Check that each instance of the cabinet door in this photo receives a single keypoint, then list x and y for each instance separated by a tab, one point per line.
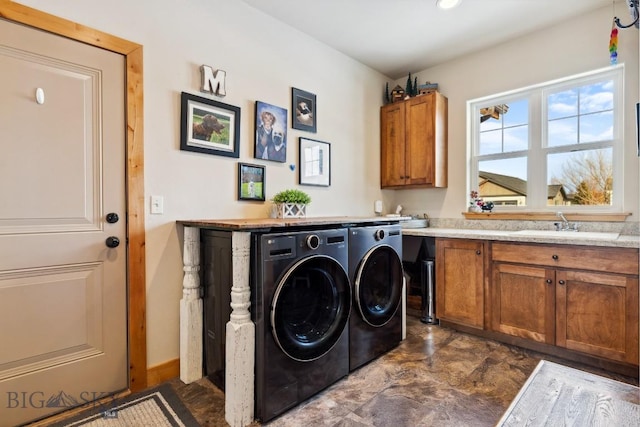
392	145
522	302
460	281
597	313
420	136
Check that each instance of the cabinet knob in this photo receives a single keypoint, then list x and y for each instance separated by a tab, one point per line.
561	282
478	252
554	257
549	281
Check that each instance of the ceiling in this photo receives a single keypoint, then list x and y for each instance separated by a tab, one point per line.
397	37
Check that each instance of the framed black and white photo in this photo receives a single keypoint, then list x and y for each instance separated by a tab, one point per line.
315	162
271	132
303	106
209	126
251	182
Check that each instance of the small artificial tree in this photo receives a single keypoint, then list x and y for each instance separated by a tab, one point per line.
292	196
291	203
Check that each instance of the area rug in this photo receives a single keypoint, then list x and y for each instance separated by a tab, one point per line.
156	407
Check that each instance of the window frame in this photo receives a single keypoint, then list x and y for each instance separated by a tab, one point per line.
538	149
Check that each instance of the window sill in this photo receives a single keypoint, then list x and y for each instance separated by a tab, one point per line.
547	216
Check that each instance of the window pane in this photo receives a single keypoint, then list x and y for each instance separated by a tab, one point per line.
503	182
517	113
516	138
596	127
585	177
504	127
590	106
491	142
596	97
489	123
563	132
562	104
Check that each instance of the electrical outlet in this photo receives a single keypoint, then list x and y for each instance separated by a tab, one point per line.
377	206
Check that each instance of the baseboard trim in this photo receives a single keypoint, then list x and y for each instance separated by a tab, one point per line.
163	372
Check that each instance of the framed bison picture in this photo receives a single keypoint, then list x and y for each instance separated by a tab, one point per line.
208	126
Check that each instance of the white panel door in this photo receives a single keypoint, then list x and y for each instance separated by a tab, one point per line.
63	328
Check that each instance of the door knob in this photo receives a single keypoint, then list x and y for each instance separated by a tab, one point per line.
112	217
112	242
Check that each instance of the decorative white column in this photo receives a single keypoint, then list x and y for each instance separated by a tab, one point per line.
240	342
191	316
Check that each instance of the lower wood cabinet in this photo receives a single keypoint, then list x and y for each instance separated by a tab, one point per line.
579	302
597	313
460	273
593	310
523	302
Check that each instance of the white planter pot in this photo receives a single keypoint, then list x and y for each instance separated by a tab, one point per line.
291	210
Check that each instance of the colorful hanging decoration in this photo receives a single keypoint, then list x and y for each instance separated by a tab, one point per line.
613	44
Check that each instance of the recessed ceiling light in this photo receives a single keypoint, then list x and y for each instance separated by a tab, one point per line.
447	4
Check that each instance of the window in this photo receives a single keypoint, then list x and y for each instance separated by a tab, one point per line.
549	145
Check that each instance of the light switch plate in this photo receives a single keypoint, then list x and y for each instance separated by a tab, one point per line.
157	205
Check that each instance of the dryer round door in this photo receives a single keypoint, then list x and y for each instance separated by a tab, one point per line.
378	285
310	307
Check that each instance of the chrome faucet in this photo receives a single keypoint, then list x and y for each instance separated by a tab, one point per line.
565	226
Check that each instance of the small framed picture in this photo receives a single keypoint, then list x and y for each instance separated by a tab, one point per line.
271	132
315	162
251	182
303	105
208	126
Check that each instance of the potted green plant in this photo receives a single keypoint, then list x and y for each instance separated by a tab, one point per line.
291	203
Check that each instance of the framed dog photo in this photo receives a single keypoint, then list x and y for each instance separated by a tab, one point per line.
271	132
315	162
303	105
208	126
251	182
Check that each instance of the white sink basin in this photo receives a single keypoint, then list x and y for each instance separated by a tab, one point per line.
587	235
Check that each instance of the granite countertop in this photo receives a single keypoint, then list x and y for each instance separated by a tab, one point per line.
567	238
268	223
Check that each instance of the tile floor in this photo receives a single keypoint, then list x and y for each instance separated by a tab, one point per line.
436	377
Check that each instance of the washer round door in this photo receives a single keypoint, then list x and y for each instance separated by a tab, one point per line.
310	307
378	285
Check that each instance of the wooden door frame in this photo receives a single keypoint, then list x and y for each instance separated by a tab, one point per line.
136	297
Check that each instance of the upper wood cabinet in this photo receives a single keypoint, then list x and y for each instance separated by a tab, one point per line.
413	142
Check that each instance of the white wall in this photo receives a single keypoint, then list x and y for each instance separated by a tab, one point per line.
571	47
263	60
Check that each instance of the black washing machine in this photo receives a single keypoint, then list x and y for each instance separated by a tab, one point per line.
375	270
300	303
